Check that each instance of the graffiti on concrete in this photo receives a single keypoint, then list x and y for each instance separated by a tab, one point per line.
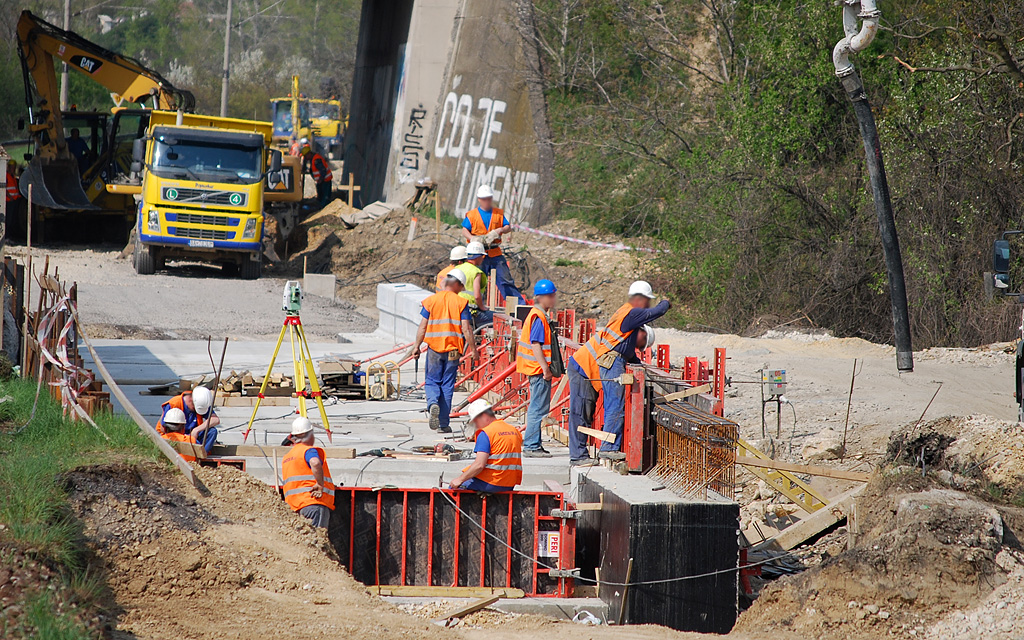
412	142
470	131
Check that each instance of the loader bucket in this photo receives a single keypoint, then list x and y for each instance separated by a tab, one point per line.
55	185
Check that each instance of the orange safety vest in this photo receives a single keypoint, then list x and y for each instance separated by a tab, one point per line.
441	275
178	402
505	463
478	228
323	174
601	343
181	437
444	326
526	362
299	481
12	187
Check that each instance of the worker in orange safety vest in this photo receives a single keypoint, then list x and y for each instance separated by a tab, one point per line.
487	225
320	169
201	421
597	365
308	487
12	193
498	463
533	360
457	256
174	429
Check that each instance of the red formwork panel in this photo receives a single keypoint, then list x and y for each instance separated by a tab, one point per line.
433	537
634	428
663	361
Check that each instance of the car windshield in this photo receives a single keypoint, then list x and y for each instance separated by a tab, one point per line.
219	161
282	118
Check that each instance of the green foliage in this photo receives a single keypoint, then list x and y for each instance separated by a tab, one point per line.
45	622
565	262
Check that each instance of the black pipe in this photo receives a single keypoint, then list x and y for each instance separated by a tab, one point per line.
886	223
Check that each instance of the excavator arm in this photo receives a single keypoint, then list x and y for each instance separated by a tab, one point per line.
54	172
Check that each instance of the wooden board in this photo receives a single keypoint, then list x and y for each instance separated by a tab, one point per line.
835	511
472	607
444	592
824	472
185	448
600	435
250	401
253	451
685	393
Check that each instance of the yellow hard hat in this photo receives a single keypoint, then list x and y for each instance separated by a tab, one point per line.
305	149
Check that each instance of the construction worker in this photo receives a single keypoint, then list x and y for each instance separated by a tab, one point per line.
457	256
533	360
487	225
174	429
476	284
294	149
447	330
308	487
597	365
79	148
12	194
320	169
498	465
200	419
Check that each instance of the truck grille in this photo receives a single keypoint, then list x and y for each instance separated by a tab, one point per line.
199	218
203	234
204	196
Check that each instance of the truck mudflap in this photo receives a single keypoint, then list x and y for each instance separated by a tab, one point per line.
55	185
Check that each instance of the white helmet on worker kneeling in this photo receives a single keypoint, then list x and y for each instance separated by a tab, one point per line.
476	408
174	417
641	288
202	399
301	426
457	253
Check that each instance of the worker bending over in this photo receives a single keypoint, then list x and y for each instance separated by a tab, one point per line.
446	329
498	465
320	169
174	430
533	360
457	257
597	366
308	487
476	284
200	419
487	225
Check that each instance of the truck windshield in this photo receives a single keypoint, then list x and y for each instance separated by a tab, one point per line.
215	161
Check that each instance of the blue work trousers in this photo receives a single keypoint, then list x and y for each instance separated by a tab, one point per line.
207	438
614	404
503	277
440	383
583	402
540	406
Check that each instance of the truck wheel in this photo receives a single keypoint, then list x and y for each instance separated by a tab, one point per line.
144	263
251	269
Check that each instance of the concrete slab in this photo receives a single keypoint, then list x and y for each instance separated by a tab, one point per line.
319	284
558	608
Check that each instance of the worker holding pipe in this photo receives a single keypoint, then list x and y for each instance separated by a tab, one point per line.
200	419
308	487
533	360
447	330
597	365
476	284
487	225
457	256
498	464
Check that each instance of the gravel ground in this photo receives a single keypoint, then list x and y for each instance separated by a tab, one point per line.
187	301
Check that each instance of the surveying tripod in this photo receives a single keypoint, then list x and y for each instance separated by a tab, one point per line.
303	370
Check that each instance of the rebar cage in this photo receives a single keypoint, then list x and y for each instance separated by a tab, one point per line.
696	451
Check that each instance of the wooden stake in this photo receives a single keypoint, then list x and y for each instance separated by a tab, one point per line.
625	592
849	403
437	212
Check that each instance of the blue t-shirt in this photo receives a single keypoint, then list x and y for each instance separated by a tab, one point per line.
465	315
537	332
311	455
483	443
486	217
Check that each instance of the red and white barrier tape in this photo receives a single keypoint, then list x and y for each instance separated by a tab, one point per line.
618	246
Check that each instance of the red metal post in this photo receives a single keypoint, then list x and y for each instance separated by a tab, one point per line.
703	372
719	387
633	427
663	361
690	368
479	393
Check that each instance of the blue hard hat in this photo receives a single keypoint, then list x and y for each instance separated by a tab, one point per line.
544	287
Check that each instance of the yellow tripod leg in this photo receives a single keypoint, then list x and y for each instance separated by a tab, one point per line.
307	358
297	380
266	379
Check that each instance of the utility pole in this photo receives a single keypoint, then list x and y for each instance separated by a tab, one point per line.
227	71
64	65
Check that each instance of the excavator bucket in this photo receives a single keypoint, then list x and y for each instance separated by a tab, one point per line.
55	185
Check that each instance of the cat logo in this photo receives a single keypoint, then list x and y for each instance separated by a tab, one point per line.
85	63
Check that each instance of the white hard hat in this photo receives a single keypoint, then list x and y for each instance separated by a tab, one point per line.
475	249
476	408
457	253
485	191
649	330
641	287
458	274
301	426
174	415
202	398
304	141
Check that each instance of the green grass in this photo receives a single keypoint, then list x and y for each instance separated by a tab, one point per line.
33	503
565	262
447	217
42	621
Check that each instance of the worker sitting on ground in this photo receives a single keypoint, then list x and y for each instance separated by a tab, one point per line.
308	487
200	419
476	285
457	257
320	169
487	225
597	366
446	329
533	360
174	430
498	465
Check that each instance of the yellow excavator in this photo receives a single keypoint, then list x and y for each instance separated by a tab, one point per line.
54	170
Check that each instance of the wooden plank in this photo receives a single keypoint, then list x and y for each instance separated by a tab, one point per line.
250	401
600	435
413	591
254	451
189	449
805	469
832	513
472	607
685	393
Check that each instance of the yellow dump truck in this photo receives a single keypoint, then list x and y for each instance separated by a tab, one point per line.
202	191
